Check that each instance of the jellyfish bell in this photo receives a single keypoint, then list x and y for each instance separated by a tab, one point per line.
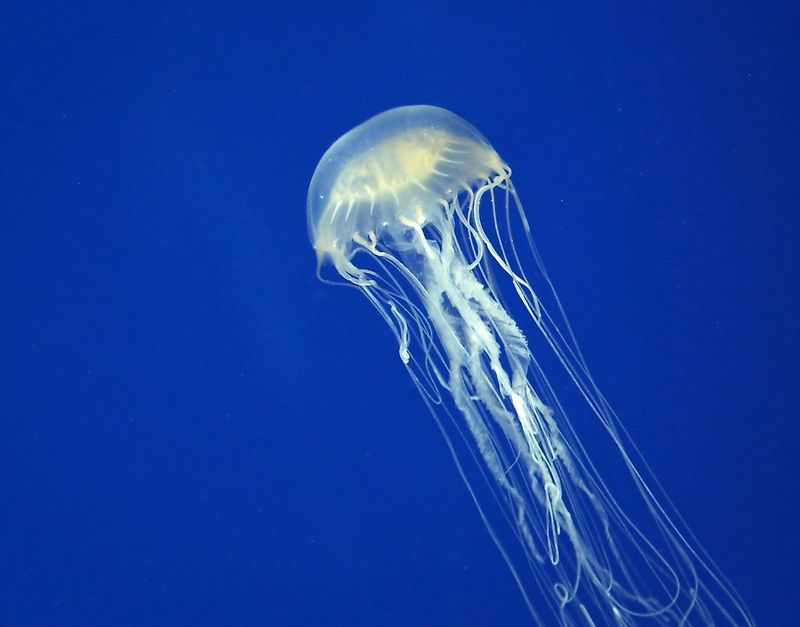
417	210
403	165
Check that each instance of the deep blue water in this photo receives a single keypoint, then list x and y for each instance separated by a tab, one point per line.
195	431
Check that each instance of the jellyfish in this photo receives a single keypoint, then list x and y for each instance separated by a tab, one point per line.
416	210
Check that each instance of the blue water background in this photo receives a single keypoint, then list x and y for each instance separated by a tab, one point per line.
195	431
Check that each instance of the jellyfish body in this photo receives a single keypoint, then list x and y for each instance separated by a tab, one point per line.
416	209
